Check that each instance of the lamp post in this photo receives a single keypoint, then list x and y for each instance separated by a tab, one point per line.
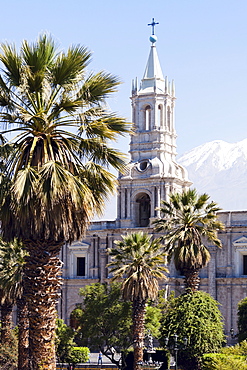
175	347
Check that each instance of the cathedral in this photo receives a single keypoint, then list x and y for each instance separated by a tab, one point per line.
151	175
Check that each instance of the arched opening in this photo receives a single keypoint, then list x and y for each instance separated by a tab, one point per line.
143	208
147	118
160	115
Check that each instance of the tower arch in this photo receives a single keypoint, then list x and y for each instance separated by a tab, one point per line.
142	209
160	115
147	117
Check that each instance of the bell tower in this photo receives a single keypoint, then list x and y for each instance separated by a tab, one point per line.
152	172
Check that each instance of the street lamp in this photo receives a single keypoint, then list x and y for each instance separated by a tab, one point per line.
175	347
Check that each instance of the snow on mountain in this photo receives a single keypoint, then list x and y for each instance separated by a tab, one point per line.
219	169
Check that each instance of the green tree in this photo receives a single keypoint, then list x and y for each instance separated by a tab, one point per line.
56	175
242	320
197	317
140	261
78	355
188	220
64	340
152	320
104	321
9	353
12	260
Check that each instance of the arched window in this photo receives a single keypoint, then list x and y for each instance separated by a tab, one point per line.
147	118
143	210
160	115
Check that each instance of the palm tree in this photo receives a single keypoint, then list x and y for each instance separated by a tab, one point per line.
12	260
140	261
57	175
188	221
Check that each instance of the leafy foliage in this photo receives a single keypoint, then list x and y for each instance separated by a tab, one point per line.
56	175
64	340
197	317
9	353
78	355
240	349
58	165
105	320
229	358
12	260
218	361
188	219
141	261
242	320
152	320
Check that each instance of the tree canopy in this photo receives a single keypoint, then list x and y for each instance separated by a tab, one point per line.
242	320
198	318
104	321
56	173
139	260
188	221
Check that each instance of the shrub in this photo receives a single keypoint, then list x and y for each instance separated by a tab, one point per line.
242	320
219	361
197	317
78	355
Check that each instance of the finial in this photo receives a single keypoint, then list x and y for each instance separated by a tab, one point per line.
153	37
173	88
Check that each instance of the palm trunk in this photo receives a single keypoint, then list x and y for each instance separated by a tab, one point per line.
6	320
23	334
138	332
41	284
192	279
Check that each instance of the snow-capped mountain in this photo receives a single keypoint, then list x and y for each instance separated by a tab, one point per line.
219	169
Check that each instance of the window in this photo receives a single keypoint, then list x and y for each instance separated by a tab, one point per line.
160	115
81	266
244	264
148	118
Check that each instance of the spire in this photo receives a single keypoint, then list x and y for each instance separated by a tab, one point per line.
153	79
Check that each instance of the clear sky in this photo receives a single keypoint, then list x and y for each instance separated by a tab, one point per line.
202	45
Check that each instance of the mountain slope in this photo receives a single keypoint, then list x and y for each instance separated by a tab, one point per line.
219	169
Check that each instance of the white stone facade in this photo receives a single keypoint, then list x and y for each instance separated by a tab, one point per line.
151	175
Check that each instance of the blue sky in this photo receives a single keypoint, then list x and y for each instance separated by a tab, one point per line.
202	45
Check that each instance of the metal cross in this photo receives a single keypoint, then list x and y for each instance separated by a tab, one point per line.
153	25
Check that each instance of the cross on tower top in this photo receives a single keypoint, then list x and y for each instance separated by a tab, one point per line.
153	25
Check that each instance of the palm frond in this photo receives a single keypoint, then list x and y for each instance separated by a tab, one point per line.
140	261
188	220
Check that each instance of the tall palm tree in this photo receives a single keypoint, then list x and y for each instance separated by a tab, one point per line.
140	261
12	260
57	175
188	220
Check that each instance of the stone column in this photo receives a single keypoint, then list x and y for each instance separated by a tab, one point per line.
103	257
212	273
229	256
228	306
152	202
128	203
162	191
167	192
119	204
158	200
